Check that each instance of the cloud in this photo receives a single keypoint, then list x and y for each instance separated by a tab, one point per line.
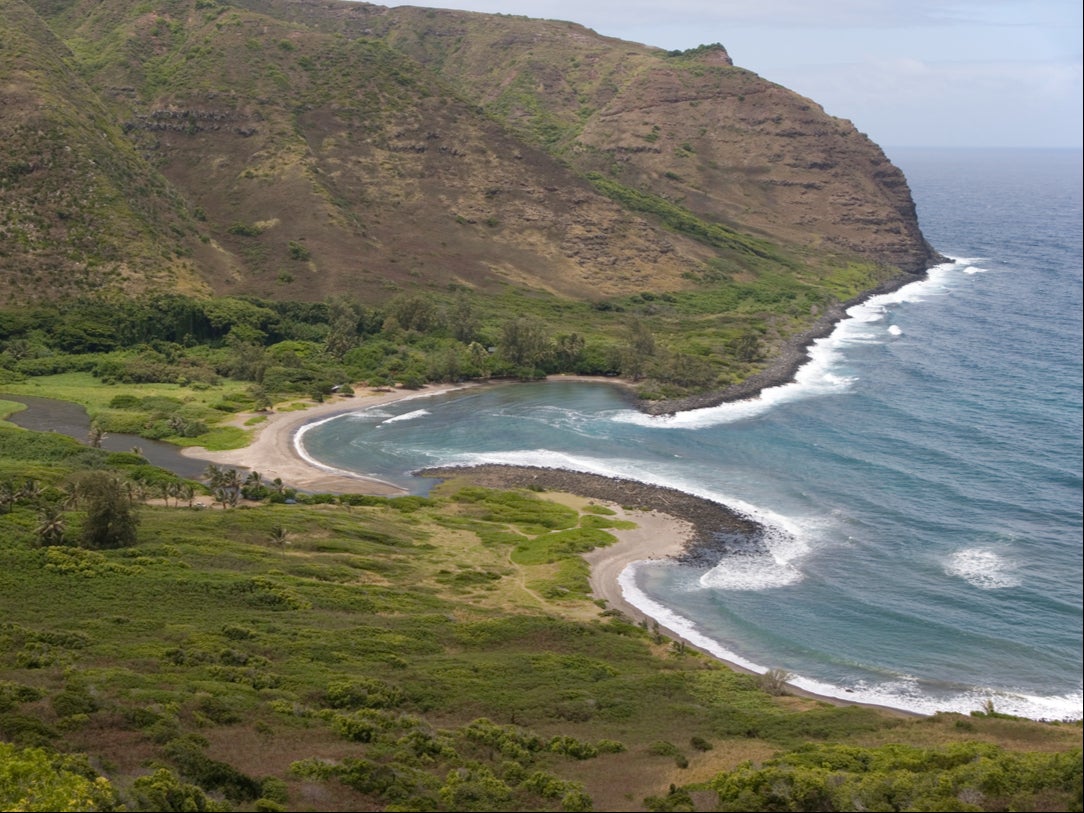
997	72
615	15
902	101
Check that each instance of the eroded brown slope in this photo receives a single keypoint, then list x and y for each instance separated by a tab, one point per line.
80	210
720	140
328	147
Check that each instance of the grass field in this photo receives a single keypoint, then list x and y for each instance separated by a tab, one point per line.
439	653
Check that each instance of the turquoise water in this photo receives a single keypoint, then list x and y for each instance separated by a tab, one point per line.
921	479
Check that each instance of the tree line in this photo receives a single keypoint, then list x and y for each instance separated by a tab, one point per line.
297	347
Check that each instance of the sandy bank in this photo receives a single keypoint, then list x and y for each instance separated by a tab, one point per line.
273	452
669	523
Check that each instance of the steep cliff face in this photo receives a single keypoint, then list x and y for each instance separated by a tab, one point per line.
302	148
733	147
692	127
80	209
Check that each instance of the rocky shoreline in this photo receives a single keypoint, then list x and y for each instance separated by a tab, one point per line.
786	364
717	530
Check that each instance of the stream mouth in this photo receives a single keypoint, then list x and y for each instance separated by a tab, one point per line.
51	415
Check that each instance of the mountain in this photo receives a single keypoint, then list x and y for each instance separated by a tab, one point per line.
298	149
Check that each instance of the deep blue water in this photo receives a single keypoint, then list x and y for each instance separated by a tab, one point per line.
922	477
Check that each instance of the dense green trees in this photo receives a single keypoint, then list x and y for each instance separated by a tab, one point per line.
110	520
34	779
525	344
962	776
307	348
284	348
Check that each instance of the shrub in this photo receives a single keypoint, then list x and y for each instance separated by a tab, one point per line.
363	693
700	744
774	681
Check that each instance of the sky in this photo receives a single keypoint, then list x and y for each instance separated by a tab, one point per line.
908	73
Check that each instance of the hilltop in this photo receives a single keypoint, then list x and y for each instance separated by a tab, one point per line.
299	149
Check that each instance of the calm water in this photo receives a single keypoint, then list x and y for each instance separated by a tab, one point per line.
922	477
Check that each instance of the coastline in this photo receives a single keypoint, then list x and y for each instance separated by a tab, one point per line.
669	523
273	451
794	354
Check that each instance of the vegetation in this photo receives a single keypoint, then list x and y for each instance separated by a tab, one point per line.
227	643
438	653
963	776
681	220
240	352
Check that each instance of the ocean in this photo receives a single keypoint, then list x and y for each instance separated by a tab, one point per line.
920	479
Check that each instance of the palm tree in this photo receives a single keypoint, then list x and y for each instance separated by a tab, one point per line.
213	474
253	488
226	496
96	435
72	495
51	527
31	490
278	536
173	489
8	495
186	492
232	483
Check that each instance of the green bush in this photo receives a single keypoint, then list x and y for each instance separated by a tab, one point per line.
244	229
362	693
962	776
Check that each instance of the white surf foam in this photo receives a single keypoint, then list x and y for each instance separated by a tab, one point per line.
407	416
909	694
895	330
753	573
366	414
785	545
982	568
822	374
675	622
903	692
302	452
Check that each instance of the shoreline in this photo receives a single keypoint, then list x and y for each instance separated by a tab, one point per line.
794	354
670	523
273	451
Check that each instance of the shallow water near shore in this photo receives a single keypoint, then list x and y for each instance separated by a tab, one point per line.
920	480
67	418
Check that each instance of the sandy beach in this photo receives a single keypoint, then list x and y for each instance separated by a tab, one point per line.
656	536
668	523
273	452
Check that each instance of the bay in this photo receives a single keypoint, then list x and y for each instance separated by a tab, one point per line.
921	478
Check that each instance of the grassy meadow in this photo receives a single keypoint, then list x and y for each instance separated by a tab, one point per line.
443	653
